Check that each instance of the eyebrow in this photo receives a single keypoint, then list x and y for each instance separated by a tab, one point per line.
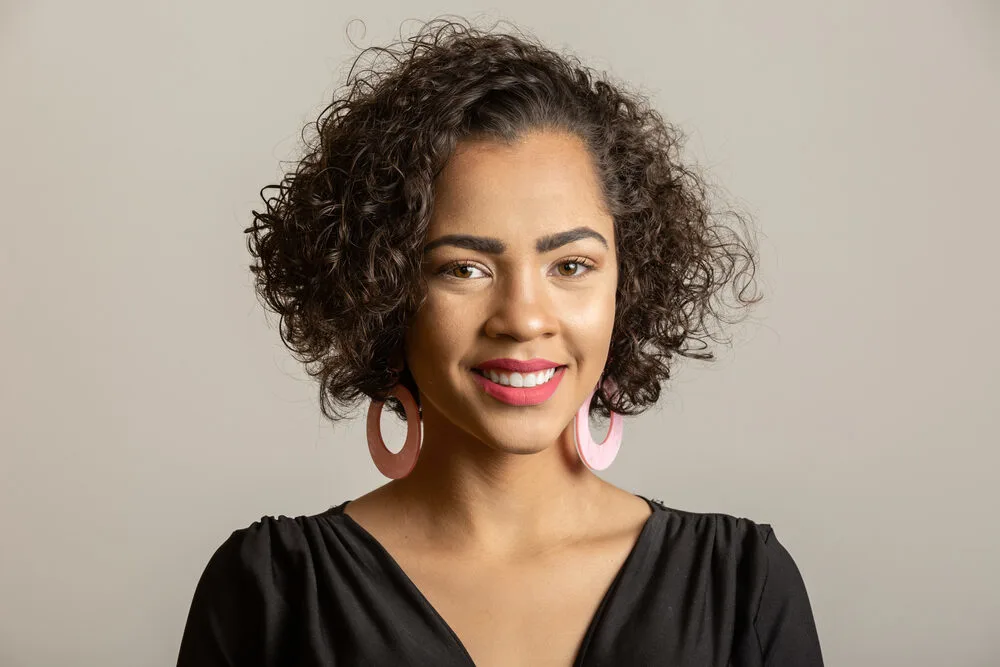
494	246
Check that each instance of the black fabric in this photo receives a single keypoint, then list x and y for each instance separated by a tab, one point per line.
696	590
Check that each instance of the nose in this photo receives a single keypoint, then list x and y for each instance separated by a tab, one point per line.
521	307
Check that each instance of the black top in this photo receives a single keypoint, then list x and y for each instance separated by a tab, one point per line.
696	590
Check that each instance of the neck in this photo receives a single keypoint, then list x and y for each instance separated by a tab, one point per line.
466	495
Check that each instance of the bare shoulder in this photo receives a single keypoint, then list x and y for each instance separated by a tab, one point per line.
376	512
621	516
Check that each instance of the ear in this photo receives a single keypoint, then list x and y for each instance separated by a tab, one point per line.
397	361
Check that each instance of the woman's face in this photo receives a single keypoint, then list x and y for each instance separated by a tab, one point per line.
520	263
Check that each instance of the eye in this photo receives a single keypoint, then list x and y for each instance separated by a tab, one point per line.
576	263
448	270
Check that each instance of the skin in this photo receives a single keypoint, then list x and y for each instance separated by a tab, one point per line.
496	487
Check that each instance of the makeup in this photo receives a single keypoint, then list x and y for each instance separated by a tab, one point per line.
520	396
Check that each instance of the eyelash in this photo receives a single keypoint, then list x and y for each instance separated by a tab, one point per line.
582	261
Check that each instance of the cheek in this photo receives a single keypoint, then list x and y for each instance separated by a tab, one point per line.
439	330
589	326
591	319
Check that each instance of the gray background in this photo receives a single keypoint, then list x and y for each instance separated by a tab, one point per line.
149	408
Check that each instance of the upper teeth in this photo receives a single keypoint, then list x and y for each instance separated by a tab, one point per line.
520	379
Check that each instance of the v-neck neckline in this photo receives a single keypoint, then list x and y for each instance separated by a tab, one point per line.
592	627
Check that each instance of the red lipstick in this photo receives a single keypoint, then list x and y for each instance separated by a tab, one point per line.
521	396
517	366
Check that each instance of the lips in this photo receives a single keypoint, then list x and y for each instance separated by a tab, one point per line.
509	365
520	396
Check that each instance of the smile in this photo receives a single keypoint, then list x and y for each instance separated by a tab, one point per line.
534	388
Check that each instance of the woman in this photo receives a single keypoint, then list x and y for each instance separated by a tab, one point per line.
499	246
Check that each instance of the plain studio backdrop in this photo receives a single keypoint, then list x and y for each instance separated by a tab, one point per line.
149	408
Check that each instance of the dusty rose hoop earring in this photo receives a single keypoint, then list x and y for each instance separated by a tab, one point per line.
597	456
400	464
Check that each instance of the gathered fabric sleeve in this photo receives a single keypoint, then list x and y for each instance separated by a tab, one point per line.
786	630
235	611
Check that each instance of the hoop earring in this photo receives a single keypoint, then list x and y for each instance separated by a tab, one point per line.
395	466
597	456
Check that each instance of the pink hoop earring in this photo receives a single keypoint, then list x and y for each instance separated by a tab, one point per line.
597	456
395	466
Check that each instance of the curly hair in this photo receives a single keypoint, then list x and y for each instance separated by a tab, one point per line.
338	244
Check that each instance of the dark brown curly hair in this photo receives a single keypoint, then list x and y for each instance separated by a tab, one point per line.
338	245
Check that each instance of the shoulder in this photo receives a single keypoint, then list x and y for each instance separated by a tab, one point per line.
717	533
783	619
240	601
745	564
750	545
254	551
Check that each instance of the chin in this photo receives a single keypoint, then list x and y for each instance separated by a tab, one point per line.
522	445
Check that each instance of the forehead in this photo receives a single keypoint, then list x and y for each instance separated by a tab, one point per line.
544	182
